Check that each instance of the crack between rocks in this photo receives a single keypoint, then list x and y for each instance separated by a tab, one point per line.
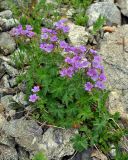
115	66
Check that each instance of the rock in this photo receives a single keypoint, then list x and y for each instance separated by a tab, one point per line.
97	155
12	113
7	24
8	153
77	35
123	5
7	102
7	43
8	91
1	108
5	81
27	133
10	70
6	14
22	154
3	5
20	98
2	69
105	9
13	82
114	50
7	140
85	155
7	59
70	12
2	120
51	1
113	151
56	143
112	1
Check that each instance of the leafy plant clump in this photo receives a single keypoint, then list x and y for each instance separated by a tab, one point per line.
80	6
65	84
39	156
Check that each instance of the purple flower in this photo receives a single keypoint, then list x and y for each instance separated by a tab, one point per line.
100	85
93	73
44	36
30	34
33	98
61	26
46	30
70	72
54	38
85	63
65	29
102	77
67	72
63	44
68	60
17	30
63	72
97	59
62	20
88	86
29	27
60	23
47	47
93	51
36	89
82	49
96	64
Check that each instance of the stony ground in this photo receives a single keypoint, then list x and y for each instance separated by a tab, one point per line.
21	138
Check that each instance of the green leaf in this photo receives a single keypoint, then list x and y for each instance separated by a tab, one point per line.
98	24
85	113
80	143
39	156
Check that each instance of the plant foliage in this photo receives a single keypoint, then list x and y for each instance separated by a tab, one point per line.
62	100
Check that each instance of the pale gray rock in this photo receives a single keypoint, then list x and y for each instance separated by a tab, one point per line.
123	5
3	5
112	1
5	81
84	155
8	153
7	102
2	69
10	70
77	35
6	140
7	59
56	143
2	120
6	14
7	24
114	50
70	12
105	9
22	154
7	44
27	133
20	98
13	82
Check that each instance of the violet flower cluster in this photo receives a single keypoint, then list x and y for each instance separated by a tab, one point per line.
33	97
19	31
50	36
76	57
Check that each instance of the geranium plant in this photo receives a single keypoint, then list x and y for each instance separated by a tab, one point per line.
66	85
